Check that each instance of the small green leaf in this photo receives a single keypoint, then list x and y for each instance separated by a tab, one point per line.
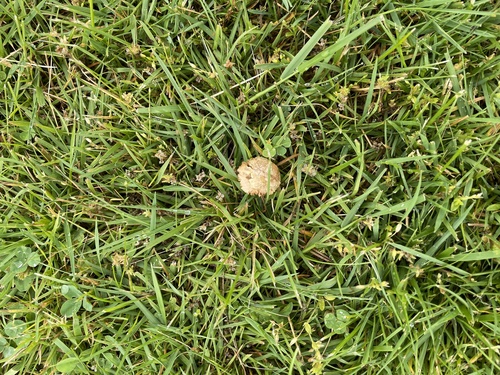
283	140
39	97
25	283
33	260
337	322
69	291
108	362
24	258
342	315
71	307
23	252
269	151
330	321
67	364
455	205
280	151
8	352
286	142
25	136
18	266
14	329
86	304
321	304
3	343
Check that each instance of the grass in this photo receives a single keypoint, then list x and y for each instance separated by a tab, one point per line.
127	245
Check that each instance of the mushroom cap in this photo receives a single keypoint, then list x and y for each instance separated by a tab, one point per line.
259	176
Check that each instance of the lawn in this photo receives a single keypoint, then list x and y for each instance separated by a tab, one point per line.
127	245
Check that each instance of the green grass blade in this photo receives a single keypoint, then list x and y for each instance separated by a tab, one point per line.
299	58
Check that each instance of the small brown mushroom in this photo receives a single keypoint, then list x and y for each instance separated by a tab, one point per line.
259	176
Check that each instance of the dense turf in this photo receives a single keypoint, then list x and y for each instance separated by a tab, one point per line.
127	246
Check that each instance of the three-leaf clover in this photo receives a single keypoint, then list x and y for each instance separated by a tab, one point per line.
276	146
75	301
14	333
24	258
23	261
337	322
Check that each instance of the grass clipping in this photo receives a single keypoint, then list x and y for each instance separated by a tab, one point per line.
259	176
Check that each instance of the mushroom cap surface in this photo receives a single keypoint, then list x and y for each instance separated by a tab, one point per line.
259	176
